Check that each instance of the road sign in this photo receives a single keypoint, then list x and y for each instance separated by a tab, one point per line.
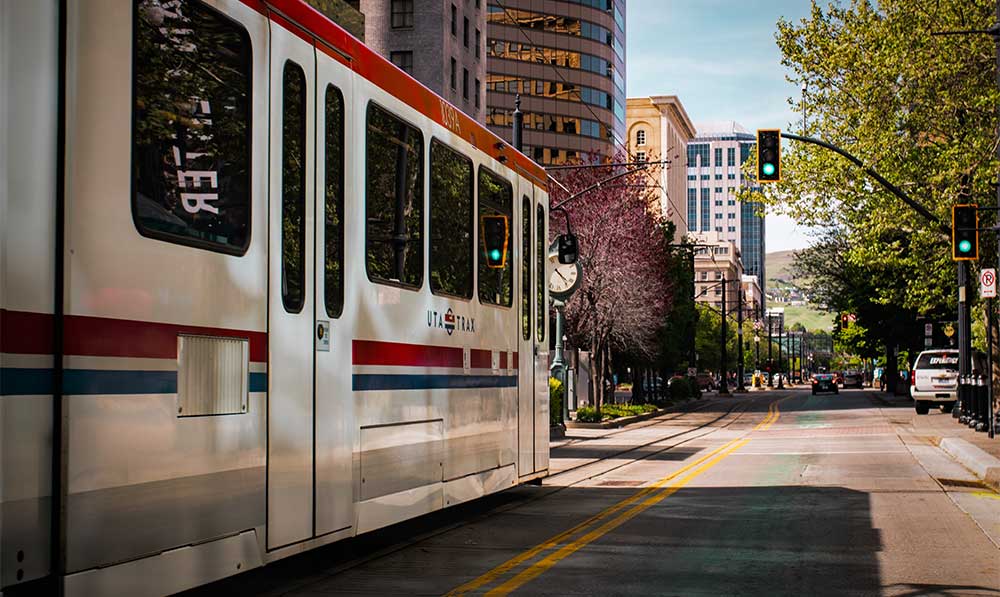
988	283
928	342
928	329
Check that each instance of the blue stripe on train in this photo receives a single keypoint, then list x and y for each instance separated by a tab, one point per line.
27	382
367	382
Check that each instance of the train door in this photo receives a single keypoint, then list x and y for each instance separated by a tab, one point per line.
334	425
291	299
526	346
541	351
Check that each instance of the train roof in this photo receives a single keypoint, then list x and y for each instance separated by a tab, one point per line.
308	23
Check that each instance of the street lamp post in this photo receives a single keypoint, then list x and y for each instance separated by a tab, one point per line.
770	363
781	326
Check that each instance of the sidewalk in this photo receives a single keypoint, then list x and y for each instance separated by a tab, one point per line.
936	426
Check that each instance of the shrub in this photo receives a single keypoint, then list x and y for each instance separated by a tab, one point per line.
587	414
555	401
680	389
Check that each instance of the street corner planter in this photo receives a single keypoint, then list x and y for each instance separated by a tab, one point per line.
557	431
619	422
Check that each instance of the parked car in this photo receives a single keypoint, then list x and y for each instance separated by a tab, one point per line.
706	381
934	380
824	382
838	376
854	379
748	379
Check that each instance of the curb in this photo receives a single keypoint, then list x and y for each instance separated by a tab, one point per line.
983	465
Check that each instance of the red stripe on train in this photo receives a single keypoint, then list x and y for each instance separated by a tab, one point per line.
397	354
31	333
373	352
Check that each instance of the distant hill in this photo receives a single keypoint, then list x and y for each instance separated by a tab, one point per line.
782	282
779	265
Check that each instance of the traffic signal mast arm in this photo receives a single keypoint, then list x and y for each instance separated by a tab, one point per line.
920	209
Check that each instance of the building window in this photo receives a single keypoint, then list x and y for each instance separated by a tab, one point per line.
333	229
731	156
496	198
732	228
718	202
465	31
640	156
704	275
293	188
465	83
718	156
394	200
718	177
692	177
731	202
640	137
705	211
454	74
692	210
403	60
402	14
479	88
718	216
731	216
718	275
704	177
191	155
731	176
479	39
451	222
718	189
454	21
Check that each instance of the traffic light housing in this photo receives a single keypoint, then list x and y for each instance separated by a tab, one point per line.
768	155
495	240
965	232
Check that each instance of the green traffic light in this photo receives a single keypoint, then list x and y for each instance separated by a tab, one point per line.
768	168
964	246
495	254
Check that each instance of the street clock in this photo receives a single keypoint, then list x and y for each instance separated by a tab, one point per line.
565	280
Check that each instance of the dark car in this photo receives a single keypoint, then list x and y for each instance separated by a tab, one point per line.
824	382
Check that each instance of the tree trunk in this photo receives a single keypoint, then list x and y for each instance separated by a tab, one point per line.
891	372
596	375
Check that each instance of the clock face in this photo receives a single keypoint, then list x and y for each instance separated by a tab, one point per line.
564	279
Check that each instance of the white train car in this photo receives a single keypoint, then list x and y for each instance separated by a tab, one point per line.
244	305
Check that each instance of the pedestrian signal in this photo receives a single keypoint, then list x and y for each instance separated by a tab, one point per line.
965	232
769	155
495	237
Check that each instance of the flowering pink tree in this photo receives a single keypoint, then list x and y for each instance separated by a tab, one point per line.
625	293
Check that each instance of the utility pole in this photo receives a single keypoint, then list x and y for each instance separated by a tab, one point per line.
740	387
723	374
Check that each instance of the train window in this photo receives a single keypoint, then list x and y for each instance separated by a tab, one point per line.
526	268
496	197
541	309
451	222
293	194
333	272
191	126
394	201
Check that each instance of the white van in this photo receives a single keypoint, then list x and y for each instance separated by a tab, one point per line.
934	379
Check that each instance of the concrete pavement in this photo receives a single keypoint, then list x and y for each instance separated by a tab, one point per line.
772	493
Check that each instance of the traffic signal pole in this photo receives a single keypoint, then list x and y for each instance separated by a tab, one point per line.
723	373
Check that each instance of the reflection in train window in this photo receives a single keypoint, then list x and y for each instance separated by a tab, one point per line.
496	197
526	268
394	200
333	273
540	281
293	187
451	222
191	132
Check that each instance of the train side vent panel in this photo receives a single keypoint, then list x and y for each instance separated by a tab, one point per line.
212	375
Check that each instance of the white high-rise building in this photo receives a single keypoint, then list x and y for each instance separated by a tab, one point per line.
714	160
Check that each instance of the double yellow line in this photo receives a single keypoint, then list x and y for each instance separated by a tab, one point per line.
609	519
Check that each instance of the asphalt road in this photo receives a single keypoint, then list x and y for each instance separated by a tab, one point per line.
773	493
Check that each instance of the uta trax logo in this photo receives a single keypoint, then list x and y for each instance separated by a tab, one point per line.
450	322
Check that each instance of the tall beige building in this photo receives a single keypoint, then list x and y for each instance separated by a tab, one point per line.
659	129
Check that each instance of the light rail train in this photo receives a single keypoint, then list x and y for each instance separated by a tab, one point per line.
245	309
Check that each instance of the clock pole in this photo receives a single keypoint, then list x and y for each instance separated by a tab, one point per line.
558	368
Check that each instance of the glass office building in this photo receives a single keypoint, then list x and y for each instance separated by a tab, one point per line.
566	59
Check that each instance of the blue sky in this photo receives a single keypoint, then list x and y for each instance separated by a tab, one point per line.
720	59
